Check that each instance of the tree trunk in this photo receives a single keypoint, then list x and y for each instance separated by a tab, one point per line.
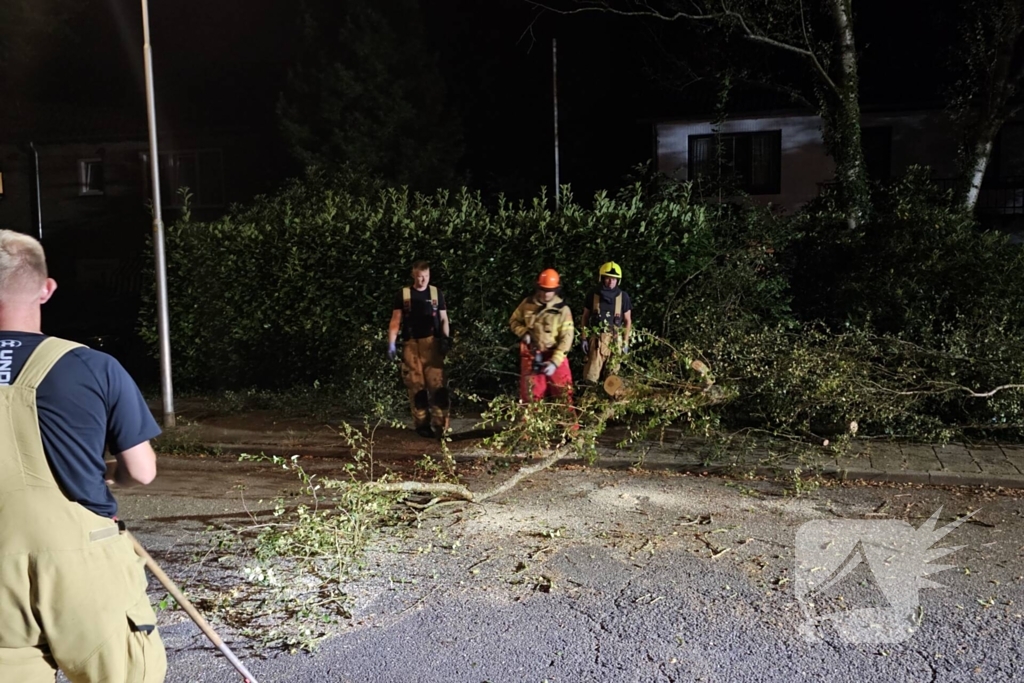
1001	85
977	163
842	120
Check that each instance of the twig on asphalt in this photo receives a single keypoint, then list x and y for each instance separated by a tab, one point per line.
715	550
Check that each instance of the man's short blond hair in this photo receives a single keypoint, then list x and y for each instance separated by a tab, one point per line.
22	263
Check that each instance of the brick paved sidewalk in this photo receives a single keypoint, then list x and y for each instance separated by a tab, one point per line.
988	464
878	461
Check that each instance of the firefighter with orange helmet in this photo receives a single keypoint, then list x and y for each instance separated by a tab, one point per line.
543	323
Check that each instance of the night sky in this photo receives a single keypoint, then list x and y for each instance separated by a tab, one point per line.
226	62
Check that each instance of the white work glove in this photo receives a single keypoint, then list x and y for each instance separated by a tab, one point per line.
526	339
550	368
585	345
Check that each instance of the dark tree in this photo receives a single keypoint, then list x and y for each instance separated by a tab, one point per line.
989	63
367	94
30	33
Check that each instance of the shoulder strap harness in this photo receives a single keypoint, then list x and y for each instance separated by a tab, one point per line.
616	316
407	310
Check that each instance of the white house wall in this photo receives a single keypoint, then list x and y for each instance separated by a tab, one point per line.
918	138
804	162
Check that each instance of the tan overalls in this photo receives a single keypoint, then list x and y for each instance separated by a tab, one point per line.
72	590
602	345
423	374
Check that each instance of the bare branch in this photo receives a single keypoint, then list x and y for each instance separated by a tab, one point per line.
524	472
756	37
463	493
529	29
939	388
745	28
989	394
650	12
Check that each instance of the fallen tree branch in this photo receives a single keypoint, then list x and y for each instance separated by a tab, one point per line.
463	493
455	490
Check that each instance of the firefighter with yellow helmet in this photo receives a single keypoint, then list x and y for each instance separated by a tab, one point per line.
543	323
607	320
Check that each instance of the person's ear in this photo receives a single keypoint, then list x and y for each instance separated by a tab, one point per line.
49	287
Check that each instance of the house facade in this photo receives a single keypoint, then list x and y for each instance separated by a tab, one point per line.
79	179
780	158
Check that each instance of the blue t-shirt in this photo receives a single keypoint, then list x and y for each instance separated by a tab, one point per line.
86	402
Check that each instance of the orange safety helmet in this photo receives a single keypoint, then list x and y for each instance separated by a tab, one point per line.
548	279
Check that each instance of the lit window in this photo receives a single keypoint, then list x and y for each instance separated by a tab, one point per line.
90	177
752	161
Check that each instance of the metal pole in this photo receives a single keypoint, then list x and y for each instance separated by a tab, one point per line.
554	87
163	317
192	612
39	193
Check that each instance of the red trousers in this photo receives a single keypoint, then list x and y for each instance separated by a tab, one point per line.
535	386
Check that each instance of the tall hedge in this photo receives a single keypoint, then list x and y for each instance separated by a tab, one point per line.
812	327
298	287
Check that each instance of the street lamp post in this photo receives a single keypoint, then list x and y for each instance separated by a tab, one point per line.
163	317
554	99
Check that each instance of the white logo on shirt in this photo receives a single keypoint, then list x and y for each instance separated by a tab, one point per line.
6	360
9	343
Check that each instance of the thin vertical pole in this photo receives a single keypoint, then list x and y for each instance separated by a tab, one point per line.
554	87
39	192
163	317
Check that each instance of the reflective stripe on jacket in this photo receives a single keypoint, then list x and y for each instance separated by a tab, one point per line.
549	325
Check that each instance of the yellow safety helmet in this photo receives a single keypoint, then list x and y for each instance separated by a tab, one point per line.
610	269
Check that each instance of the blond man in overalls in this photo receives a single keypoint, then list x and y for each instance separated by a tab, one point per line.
74	592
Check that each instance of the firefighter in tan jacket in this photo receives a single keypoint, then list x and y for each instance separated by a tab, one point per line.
543	323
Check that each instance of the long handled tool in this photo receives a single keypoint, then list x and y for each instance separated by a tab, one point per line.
205	627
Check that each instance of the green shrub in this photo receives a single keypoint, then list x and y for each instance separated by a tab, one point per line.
298	287
807	325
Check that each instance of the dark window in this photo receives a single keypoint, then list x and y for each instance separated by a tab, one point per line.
201	171
90	177
876	141
1008	154
752	161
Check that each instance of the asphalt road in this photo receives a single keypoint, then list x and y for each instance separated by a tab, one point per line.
614	576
